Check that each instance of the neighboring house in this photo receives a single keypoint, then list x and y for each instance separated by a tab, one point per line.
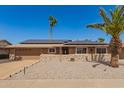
34	48
3	44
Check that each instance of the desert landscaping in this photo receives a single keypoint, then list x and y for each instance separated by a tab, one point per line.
53	72
70	70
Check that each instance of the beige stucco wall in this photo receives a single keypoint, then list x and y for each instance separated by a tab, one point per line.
72	50
121	55
28	52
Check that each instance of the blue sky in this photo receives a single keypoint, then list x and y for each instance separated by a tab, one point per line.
18	23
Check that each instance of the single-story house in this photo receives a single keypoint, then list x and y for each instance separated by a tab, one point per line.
35	48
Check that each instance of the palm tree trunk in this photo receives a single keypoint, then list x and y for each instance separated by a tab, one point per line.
114	59
50	33
115	47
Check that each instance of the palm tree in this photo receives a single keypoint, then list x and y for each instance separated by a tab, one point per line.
52	22
101	40
113	25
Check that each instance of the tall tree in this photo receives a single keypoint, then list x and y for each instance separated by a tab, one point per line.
101	40
52	23
113	25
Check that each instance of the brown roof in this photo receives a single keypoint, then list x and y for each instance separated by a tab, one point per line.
56	43
65	42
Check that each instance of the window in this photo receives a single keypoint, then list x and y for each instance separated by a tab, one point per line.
52	50
101	50
81	50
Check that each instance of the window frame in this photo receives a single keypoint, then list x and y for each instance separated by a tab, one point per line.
51	52
81	48
101	51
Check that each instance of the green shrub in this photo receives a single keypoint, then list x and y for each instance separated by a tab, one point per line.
72	59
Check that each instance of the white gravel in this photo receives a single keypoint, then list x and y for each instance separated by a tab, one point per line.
70	70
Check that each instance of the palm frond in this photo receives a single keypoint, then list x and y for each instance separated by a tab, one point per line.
51	18
112	14
113	26
101	40
97	26
121	11
117	14
52	21
104	16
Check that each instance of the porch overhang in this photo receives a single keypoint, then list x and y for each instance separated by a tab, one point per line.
34	46
49	46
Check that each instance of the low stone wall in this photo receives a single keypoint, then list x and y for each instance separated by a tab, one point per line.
30	57
75	57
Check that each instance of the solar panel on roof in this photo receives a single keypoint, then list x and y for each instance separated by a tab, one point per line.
44	41
66	42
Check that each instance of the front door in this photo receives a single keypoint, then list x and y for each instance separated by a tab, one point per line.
65	50
91	50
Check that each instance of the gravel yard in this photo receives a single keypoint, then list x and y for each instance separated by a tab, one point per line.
70	70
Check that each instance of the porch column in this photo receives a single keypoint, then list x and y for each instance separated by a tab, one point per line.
95	50
60	50
106	50
86	50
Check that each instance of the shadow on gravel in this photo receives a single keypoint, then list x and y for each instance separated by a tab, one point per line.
106	63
